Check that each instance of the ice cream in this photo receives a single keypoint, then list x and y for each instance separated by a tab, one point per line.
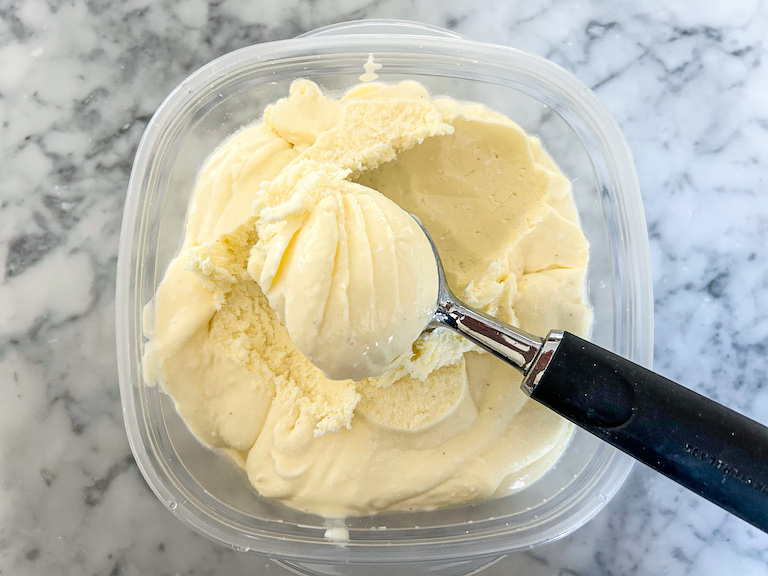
295	225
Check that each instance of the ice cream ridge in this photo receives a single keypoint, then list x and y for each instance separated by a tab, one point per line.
289	329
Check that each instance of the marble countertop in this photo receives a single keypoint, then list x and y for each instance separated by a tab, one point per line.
687	83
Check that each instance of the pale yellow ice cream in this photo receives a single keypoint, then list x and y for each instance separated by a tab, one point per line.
295	242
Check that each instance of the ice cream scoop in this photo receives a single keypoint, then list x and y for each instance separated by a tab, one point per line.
704	446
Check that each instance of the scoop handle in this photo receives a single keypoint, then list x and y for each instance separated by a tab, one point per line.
708	448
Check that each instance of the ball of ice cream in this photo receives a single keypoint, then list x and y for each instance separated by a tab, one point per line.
354	282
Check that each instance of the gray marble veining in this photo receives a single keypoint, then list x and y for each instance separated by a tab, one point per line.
687	82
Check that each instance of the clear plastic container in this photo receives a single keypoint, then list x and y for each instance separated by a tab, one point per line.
202	488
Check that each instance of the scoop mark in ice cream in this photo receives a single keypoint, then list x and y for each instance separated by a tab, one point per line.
299	250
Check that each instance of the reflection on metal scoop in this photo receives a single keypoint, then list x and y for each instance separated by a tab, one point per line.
706	447
516	347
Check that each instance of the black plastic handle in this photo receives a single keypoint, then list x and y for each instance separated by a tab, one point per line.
706	447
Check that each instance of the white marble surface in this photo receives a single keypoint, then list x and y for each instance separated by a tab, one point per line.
78	81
